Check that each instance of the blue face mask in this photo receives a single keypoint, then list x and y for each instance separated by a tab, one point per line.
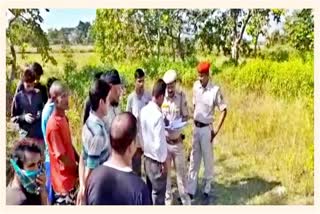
27	178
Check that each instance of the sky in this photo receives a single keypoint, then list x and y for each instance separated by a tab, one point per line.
58	18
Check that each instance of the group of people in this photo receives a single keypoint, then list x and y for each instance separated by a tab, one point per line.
115	145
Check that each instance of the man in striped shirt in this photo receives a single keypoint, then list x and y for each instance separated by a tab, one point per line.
96	142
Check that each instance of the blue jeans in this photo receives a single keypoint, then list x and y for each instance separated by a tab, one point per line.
49	188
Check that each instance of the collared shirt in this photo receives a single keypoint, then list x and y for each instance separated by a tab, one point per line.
205	100
58	136
173	109
96	142
111	114
24	103
153	132
134	105
46	113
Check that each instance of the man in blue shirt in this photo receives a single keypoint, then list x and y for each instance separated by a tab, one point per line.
46	113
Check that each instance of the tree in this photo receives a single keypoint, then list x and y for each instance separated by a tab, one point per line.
259	23
299	28
24	27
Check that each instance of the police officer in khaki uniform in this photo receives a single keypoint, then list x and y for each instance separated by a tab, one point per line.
206	97
175	107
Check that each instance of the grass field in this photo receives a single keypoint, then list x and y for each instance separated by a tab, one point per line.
264	151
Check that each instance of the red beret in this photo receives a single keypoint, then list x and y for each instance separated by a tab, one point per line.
203	67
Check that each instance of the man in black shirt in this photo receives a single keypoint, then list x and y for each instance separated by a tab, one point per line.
114	182
38	71
28	184
27	107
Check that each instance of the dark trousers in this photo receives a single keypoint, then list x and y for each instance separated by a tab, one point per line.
156	180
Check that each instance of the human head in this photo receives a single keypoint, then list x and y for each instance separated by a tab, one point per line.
37	69
60	95
28	80
139	78
98	96
203	73
98	75
49	83
159	91
27	163
122	134
170	79
112	77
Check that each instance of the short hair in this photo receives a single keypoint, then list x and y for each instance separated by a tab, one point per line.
37	68
123	131
98	75
49	83
159	88
138	73
28	76
99	90
22	146
57	88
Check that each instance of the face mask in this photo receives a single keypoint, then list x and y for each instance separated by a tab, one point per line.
27	178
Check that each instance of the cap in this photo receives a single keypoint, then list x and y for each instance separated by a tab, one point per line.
170	76
203	67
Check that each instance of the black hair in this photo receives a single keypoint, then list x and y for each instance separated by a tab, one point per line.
99	90
159	88
37	68
138	73
22	146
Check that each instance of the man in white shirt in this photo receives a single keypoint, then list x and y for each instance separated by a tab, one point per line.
136	101
154	144
206	98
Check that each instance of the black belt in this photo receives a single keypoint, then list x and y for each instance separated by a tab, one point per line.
199	124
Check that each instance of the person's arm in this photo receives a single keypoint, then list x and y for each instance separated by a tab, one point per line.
223	109
184	108
19	87
81	193
16	111
41	181
160	138
94	149
54	139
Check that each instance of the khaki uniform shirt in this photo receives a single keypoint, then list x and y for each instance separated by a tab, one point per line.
173	109
205	101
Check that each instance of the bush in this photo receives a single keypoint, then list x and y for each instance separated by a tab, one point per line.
287	80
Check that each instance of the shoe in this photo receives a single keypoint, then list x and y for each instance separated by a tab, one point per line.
191	196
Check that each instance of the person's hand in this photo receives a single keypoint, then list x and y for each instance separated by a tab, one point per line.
81	197
28	118
213	135
41	181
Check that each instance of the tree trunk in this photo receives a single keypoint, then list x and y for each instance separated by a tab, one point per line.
13	63
256	44
236	43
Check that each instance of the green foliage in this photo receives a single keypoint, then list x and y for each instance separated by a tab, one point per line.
288	79
300	30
